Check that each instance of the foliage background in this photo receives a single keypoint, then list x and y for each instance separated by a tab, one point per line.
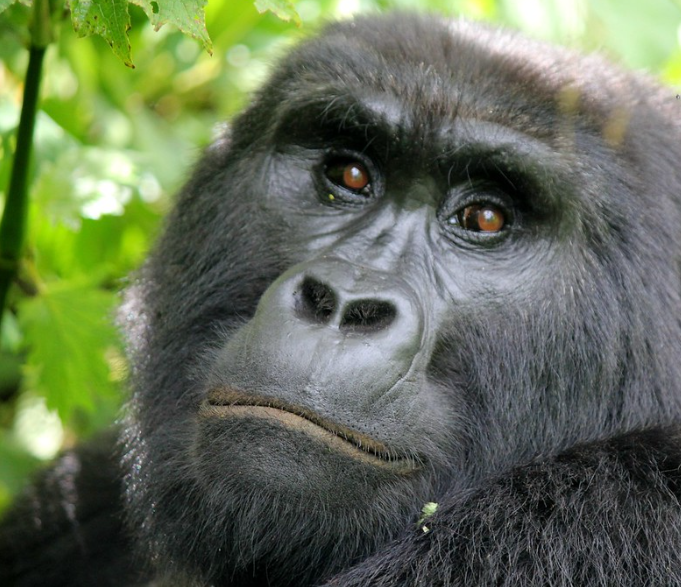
112	144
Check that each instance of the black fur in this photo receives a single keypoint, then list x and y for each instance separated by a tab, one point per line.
527	381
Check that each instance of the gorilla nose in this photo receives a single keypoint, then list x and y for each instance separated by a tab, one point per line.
319	303
348	298
327	324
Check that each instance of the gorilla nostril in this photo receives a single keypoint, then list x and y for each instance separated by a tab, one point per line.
367	316
316	301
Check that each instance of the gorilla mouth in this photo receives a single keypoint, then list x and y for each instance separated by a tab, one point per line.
227	402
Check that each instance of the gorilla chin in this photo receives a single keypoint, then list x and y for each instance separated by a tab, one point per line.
227	402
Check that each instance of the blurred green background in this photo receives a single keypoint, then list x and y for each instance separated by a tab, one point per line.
113	144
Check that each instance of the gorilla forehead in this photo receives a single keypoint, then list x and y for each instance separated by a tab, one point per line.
438	70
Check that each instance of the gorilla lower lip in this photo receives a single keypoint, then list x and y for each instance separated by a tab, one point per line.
232	403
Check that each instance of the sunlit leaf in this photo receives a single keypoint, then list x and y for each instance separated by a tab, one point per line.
282	8
427	511
36	428
14	19
68	332
86	182
5	4
186	15
109	19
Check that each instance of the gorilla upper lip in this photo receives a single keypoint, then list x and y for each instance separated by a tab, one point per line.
228	400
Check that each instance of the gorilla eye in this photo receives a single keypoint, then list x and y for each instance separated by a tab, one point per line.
486	218
348	177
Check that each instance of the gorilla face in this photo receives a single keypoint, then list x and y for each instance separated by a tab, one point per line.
419	258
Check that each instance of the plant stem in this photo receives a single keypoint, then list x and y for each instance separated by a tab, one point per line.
13	224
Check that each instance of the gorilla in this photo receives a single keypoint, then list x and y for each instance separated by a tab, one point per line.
431	263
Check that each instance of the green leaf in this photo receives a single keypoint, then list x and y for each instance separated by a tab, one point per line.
282	8
5	4
186	15
109	19
426	512
69	330
15	465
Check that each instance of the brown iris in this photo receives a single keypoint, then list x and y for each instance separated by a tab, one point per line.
486	218
351	175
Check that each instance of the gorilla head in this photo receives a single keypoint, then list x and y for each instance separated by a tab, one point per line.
428	253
